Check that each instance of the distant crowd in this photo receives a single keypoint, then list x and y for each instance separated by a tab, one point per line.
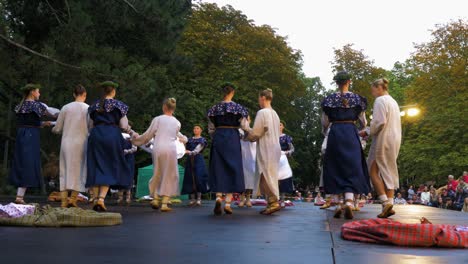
451	196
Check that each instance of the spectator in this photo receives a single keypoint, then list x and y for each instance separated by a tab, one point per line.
444	195
415	200
440	203
420	189
298	196
411	193
425	196
465	205
319	199
399	199
449	204
462	193
434	198
465	177
452	186
309	197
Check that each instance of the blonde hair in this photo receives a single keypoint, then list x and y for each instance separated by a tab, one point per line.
381	82
170	103
267	93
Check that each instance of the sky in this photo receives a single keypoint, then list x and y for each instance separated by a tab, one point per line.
385	30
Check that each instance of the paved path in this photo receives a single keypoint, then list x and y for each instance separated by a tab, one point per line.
300	234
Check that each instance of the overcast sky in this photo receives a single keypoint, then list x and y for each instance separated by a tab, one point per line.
385	30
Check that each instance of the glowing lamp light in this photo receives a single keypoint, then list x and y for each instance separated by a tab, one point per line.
413	112
402	113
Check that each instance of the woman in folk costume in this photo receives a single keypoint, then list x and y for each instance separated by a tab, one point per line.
249	157
26	165
226	173
105	159
196	175
72	123
165	130
266	130
126	183
344	166
385	130
285	180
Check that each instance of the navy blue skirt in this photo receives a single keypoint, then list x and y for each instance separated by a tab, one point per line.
286	185
195	176
226	171
344	165
106	159
26	166
126	181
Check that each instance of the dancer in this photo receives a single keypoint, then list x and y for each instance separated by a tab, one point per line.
249	153
385	130
344	166
285	180
106	161
266	130
126	183
196	175
72	123
225	173
165	129
26	166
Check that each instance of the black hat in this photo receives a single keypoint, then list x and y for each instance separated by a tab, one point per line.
30	86
108	84
342	76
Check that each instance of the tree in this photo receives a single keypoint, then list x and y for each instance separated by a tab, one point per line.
362	69
436	141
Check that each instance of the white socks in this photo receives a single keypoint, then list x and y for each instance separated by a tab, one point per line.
386	200
21	191
228	199
349	199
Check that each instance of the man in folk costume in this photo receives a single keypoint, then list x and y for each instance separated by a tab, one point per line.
266	131
385	130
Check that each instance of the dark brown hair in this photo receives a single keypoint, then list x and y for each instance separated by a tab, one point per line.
227	88
106	90
267	93
79	90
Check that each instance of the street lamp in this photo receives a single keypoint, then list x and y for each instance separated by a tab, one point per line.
413	111
409	110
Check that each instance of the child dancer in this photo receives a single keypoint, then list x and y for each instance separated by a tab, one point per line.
195	176
285	180
249	152
127	181
165	129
